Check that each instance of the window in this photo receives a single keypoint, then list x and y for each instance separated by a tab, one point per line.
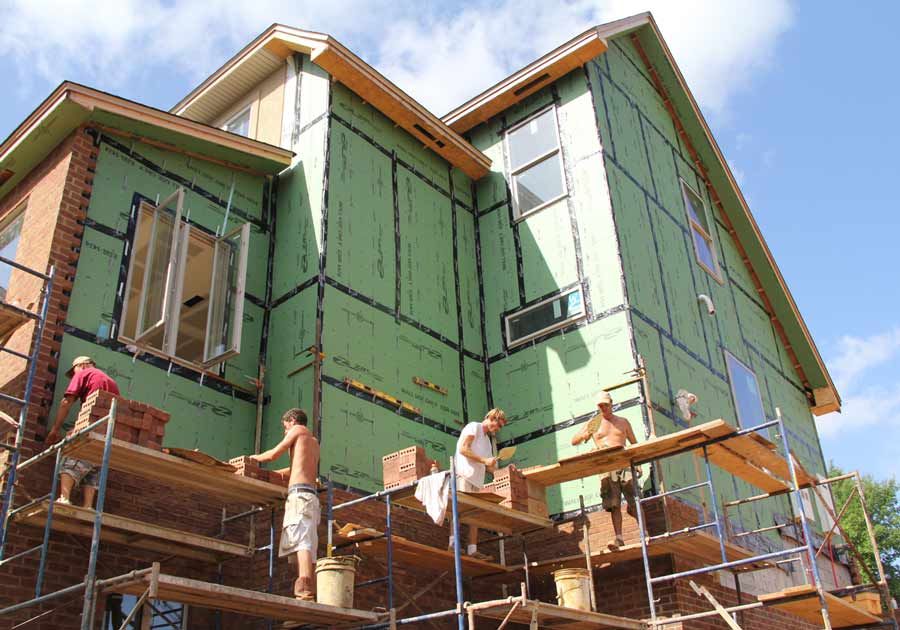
701	231
239	123
745	390
535	163
9	243
543	317
195	316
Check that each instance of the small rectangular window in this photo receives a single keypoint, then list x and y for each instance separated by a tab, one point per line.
701	231
185	288
239	123
535	162
544	317
745	391
10	235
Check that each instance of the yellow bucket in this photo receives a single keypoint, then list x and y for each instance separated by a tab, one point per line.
335	578
573	588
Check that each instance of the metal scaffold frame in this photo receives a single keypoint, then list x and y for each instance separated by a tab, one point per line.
806	552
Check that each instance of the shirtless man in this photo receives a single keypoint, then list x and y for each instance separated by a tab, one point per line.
612	431
301	510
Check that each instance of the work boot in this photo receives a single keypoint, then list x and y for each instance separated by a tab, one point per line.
303	590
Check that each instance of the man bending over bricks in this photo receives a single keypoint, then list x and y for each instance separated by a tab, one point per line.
613	430
86	379
474	456
301	510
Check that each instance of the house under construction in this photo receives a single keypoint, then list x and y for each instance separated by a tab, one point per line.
299	232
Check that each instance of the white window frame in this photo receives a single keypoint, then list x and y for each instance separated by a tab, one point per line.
175	275
707	235
734	398
248	110
510	343
513	173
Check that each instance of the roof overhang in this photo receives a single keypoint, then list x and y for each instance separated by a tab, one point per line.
536	75
72	105
267	52
772	287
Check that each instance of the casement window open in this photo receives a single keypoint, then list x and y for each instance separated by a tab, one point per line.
184	297
535	163
701	232
545	316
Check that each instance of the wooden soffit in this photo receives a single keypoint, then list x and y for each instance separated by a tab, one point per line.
212	96
536	75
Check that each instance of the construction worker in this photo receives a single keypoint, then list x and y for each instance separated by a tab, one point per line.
612	430
301	509
85	380
475	456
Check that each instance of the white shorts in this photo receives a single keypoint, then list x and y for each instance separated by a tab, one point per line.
300	525
466	485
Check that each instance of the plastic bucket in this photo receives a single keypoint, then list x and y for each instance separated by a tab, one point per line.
334	580
573	588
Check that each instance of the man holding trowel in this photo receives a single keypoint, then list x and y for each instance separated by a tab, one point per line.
610	430
301	509
474	457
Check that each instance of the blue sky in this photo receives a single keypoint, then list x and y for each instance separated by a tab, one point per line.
800	95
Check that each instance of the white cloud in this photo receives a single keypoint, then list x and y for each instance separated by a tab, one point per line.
865	372
440	54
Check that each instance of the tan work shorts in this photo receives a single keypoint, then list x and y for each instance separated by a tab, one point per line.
613	485
299	531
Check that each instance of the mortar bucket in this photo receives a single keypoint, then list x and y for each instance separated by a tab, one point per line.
334	580
573	588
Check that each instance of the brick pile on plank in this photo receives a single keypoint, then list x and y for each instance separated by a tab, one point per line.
247	467
404	467
136	422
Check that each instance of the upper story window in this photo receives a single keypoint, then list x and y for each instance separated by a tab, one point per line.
745	391
545	316
535	163
701	231
239	123
10	234
194	316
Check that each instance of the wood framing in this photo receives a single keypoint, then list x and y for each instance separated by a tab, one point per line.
151	464
133	533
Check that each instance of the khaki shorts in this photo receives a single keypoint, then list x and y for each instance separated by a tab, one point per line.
299	531
465	485
81	471
613	485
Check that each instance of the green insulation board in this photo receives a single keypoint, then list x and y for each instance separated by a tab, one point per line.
202	417
683	346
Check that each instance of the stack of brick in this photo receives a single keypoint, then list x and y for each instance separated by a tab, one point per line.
136	422
404	467
247	467
510	484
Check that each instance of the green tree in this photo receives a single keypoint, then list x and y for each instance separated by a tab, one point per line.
883	502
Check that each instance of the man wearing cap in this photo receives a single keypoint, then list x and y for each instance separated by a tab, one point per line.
611	431
475	456
86	379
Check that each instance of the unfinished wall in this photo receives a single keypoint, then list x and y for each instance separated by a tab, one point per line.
548	386
371	229
682	345
213	413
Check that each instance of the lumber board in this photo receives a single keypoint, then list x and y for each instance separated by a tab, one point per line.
417	554
803	602
181	473
483	512
693	545
11	317
242	601
738	465
199	457
78	520
616	458
551	615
